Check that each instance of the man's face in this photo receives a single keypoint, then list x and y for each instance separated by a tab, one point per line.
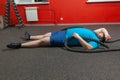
100	34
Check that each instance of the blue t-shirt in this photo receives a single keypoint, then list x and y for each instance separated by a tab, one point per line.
83	32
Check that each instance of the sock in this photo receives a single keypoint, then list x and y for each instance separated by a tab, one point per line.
27	36
14	45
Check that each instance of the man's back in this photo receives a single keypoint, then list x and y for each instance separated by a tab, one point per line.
83	32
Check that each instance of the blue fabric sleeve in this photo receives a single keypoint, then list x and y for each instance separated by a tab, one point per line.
94	44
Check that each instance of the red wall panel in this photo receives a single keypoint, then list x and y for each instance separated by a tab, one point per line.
2	7
81	12
70	11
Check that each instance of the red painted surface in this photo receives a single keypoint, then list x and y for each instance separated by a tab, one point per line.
72	11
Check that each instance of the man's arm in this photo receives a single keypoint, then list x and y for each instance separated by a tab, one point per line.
107	35
82	41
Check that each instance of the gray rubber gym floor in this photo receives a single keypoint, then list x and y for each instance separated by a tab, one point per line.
55	63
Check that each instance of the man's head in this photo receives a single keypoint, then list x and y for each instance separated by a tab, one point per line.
103	39
101	35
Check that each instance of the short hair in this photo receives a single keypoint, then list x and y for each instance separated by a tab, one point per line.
103	39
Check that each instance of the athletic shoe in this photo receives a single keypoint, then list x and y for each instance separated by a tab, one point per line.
14	45
27	36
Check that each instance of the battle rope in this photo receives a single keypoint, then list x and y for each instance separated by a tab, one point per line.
112	41
90	51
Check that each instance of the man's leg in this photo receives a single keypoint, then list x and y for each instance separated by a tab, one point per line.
36	37
37	43
31	44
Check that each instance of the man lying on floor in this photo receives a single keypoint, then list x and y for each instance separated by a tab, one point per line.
56	38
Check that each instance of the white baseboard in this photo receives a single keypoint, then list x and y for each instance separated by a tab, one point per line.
117	23
70	24
39	24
